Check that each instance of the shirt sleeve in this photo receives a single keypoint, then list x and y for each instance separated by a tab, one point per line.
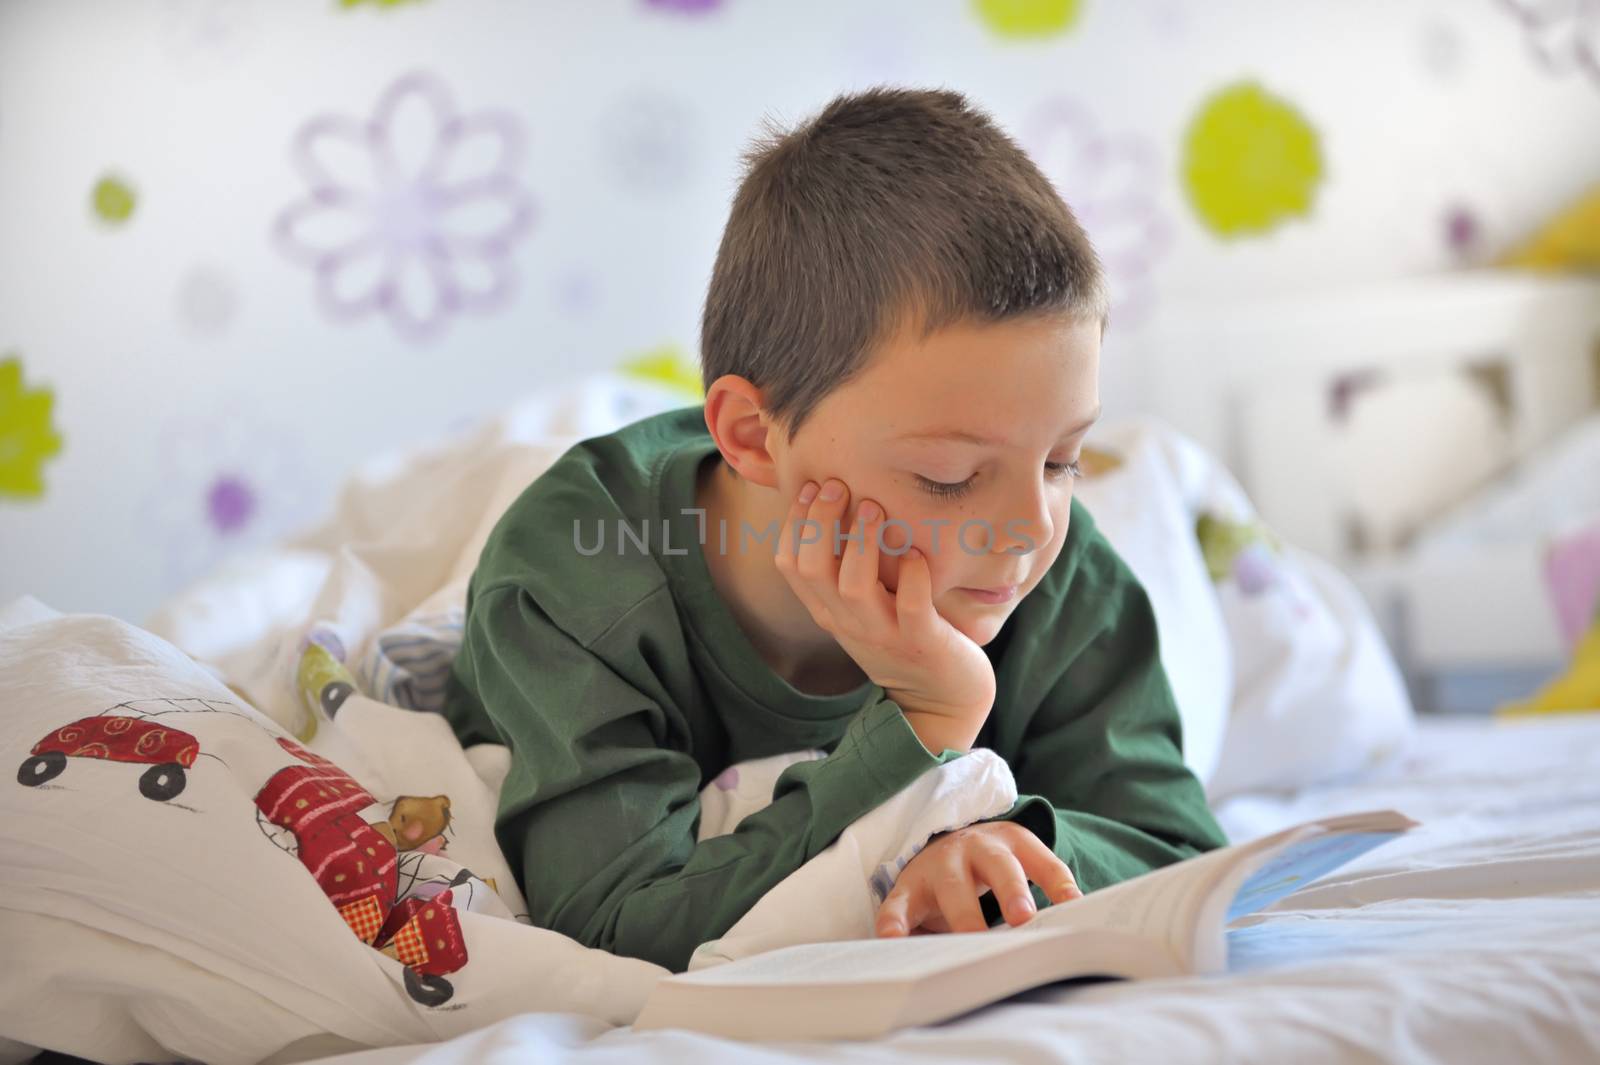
1099	768
601	807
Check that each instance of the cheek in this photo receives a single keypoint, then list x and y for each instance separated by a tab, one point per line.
912	528
948	562
1045	555
946	559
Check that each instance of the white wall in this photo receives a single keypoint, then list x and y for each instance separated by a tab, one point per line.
184	345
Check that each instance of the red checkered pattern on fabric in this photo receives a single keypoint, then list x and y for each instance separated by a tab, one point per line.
409	944
402	912
429	929
365	918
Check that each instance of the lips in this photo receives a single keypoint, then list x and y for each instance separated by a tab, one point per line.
998	594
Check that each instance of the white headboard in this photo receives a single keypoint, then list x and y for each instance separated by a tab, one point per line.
1351	416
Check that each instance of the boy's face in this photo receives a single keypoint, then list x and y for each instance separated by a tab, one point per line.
1024	392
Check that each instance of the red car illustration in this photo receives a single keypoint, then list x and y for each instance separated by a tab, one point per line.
115	738
315	801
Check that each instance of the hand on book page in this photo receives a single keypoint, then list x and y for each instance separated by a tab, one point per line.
836	895
1165	924
939	890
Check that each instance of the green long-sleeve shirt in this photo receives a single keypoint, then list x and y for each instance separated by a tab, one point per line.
622	683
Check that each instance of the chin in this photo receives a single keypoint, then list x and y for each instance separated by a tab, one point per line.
980	629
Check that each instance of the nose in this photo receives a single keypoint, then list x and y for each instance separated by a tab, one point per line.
1029	526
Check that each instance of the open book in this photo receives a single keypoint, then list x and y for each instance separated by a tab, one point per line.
1170	922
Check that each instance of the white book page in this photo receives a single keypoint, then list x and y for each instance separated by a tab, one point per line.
874	961
1162	907
1166	901
1159	906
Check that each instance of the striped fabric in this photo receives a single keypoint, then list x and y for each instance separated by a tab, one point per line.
409	664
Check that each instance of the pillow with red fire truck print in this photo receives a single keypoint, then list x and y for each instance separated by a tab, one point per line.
254	892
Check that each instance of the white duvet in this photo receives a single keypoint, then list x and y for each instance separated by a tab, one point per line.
1475	938
179	876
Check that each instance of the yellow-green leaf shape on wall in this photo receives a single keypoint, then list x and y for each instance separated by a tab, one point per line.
1250	161
1021	19
26	435
669	366
113	200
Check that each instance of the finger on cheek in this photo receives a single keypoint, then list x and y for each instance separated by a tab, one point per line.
789	535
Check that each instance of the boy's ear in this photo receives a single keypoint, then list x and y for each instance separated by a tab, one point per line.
737	418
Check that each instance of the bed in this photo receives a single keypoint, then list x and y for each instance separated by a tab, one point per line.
1476	940
1473	938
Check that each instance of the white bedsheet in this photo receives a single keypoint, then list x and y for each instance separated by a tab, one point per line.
1475	938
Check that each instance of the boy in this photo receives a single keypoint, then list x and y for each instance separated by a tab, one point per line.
900	345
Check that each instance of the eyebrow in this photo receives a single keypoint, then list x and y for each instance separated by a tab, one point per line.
987	441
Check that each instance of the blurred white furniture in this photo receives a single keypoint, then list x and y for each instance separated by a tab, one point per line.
1360	420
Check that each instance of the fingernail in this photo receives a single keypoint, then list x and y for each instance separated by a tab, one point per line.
869	511
809	492
1023	903
890	928
832	490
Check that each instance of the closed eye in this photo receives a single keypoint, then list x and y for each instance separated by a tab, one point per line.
946	489
952	490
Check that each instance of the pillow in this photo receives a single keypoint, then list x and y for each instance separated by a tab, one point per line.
383	578
1281	674
164	874
1317	695
1133	492
180	869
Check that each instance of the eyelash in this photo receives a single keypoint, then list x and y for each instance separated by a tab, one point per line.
946	490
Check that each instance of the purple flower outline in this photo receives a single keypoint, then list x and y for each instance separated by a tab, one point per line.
416	239
1562	35
1112	186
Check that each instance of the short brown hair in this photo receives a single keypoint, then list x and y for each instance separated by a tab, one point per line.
888	203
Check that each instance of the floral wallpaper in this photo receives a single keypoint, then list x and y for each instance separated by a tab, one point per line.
411	212
27	435
247	245
1250	161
